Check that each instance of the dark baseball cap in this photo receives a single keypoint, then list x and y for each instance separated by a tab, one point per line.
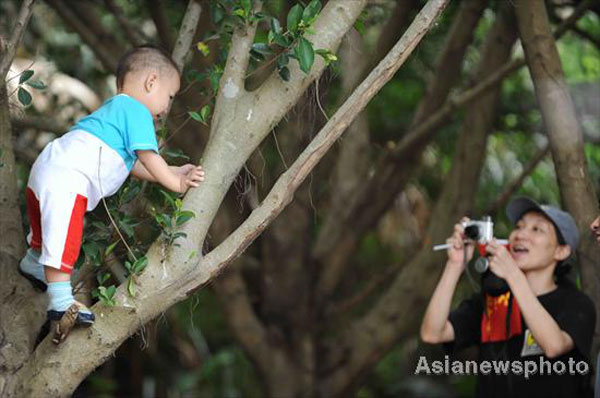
564	223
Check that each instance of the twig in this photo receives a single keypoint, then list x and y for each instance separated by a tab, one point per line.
9	51
187	31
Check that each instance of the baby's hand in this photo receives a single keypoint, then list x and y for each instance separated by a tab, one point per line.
190	176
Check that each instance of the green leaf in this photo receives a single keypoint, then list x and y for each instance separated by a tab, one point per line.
257	56
306	54
359	25
217	13
24	96
179	235
311	11
102	277
131	286
140	265
106	295
294	17
282	60
111	290
129	193
168	197
285	73
327	55
281	40
196	116
204	112
164	220
37	84
262	48
91	251
184	217
26	75
239	12
247	5
110	248
276	26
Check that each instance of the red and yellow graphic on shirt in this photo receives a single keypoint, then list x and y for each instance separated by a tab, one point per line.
493	320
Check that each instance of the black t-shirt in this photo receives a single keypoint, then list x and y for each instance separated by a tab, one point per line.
574	313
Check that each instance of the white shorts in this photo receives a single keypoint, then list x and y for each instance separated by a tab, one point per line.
68	178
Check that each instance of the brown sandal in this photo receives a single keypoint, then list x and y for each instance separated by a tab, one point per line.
63	327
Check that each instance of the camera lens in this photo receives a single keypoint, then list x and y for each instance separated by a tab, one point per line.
472	232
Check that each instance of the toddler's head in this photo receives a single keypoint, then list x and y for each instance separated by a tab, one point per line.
149	75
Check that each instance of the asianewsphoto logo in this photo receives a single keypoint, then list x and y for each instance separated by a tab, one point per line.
526	368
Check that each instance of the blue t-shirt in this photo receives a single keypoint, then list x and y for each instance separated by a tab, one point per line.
124	124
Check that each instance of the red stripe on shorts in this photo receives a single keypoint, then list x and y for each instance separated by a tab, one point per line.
73	241
33	210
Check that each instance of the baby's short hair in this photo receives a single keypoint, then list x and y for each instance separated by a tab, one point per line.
143	57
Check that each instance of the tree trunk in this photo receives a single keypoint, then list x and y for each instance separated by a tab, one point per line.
564	134
394	317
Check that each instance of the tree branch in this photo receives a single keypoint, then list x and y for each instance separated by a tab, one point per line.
8	50
187	31
134	36
159	16
185	37
587	36
352	163
42	123
245	325
107	57
234	74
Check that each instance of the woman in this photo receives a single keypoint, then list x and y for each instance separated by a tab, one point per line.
595	228
542	317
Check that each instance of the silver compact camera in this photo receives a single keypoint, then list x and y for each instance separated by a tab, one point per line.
481	231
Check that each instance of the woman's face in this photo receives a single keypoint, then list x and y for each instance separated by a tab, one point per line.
534	244
595	227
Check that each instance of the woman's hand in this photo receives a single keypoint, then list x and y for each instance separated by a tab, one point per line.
456	252
501	261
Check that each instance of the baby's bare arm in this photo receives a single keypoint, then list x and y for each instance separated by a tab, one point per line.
156	166
178	179
140	171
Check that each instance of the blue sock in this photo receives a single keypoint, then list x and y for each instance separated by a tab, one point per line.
30	264
61	296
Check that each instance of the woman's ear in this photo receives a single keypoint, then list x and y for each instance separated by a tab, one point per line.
562	252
